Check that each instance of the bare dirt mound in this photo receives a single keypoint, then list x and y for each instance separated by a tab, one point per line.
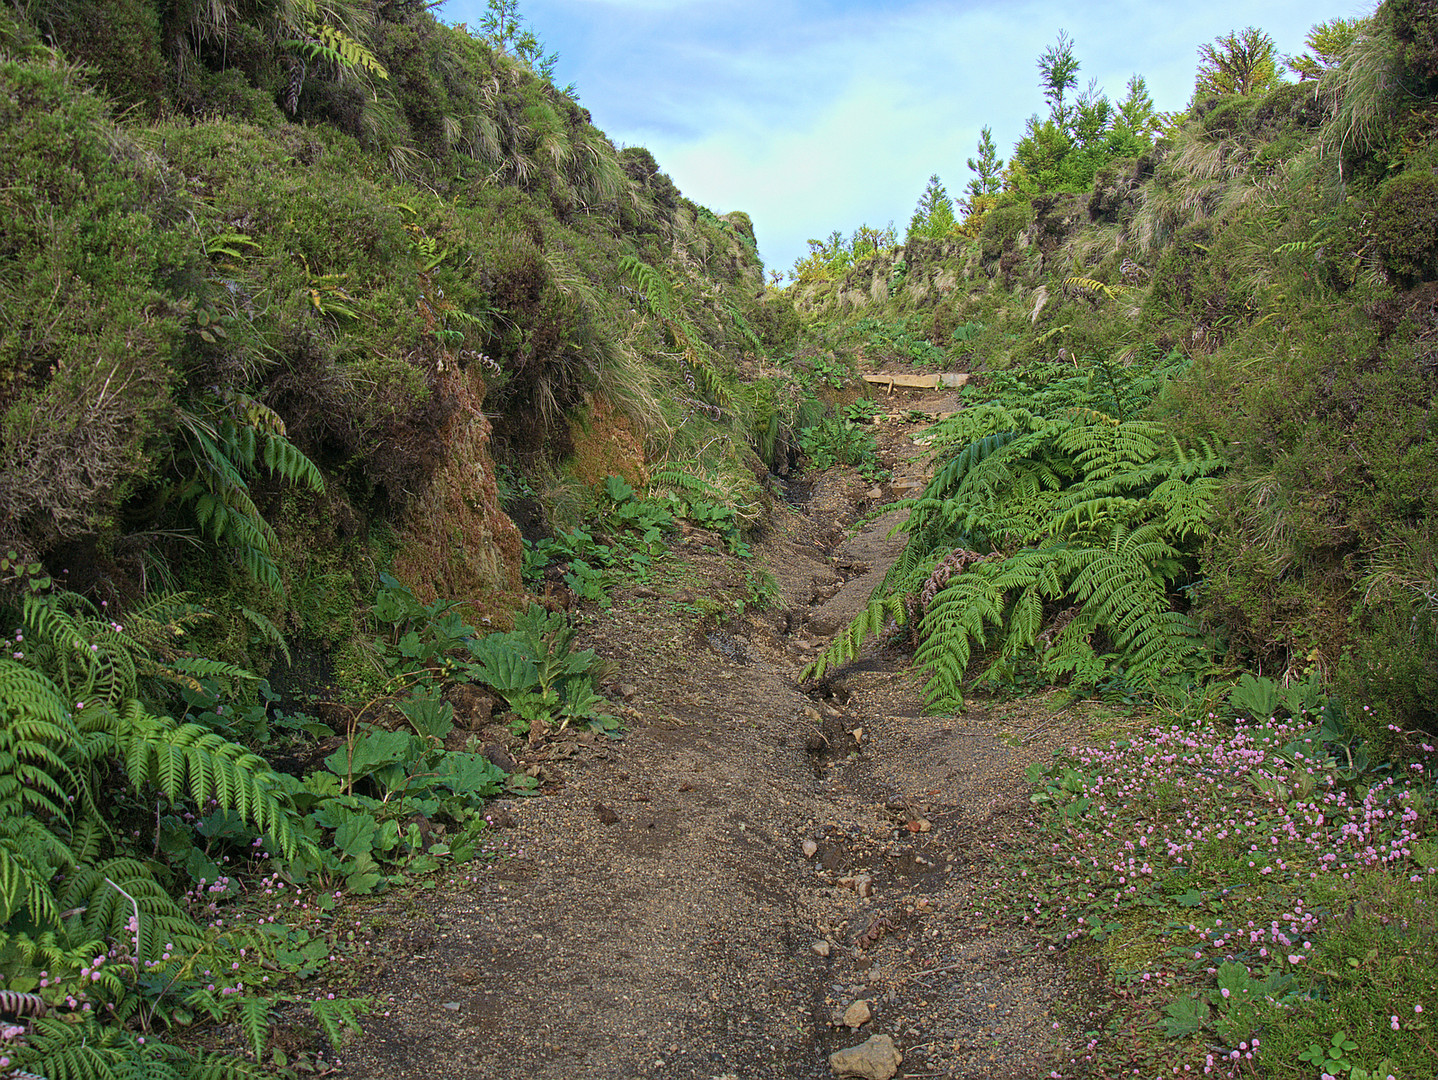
709	896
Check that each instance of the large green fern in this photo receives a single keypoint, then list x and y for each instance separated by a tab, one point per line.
71	722
227	441
656	297
1054	523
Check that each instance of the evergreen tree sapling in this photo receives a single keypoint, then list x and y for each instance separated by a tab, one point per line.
1327	42
1135	111
986	168
502	28
1093	115
934	217
1058	74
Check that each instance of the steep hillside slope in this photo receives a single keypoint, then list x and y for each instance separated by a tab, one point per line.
341	284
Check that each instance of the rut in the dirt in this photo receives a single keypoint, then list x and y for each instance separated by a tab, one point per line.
708	897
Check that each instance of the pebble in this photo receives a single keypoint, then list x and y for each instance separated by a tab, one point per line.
452	1006
858	1014
822	948
810	849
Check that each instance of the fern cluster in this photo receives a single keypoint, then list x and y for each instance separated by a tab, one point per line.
656	298
1058	528
87	921
226	443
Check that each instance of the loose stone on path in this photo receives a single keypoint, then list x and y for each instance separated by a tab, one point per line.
857	1014
877	1059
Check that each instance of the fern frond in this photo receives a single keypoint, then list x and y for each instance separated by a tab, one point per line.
1091	285
103	891
255	1022
339	1016
25	875
289	463
268	629
1186	506
1094	513
187	760
1120	586
74	1047
1102	448
958	619
845	647
946	479
325	42
651	290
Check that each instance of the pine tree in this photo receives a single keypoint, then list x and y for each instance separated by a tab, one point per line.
1135	111
1326	42
987	167
934	217
1058	71
1093	115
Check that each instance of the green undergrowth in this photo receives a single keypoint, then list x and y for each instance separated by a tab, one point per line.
156	873
1254	892
1280	242
630	533
1058	538
845	438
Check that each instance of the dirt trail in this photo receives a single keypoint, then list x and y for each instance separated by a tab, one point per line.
659	915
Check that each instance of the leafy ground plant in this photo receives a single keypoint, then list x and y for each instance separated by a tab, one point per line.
845	439
898	340
548	684
1258	904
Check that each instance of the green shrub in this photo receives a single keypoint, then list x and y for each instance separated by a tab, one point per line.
100	246
1405	227
1393	663
1002	228
778	324
1414	23
119	41
229	94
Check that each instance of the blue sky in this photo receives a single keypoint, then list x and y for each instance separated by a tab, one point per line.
816	115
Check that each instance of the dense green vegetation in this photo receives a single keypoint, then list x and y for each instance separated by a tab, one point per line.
1273	244
1199	473
298	300
306	305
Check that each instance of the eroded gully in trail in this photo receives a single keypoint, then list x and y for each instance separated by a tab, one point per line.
659	914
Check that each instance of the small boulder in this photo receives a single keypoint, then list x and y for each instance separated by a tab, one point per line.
877	1059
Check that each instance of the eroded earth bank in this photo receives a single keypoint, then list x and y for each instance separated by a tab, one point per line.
714	895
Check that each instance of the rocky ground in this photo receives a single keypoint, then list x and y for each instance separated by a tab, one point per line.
756	876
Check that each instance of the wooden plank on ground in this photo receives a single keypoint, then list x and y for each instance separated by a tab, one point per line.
890	380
